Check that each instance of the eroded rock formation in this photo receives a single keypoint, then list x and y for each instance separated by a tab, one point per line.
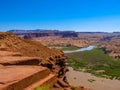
34	53
112	48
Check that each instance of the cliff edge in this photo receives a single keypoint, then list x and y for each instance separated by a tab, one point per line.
17	51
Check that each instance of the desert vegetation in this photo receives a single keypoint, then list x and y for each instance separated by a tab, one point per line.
70	48
96	62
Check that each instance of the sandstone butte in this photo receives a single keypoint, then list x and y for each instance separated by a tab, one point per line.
25	65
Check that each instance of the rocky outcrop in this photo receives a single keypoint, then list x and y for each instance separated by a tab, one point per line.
112	48
22	77
19	60
32	53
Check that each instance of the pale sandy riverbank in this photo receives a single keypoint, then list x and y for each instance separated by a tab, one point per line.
80	78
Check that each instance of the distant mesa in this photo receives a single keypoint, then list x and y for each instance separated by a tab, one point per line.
28	34
40	33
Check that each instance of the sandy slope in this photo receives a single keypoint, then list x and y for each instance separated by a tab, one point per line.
79	78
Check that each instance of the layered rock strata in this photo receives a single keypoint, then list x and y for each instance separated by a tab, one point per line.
17	51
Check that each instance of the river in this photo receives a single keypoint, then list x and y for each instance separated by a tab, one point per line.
79	50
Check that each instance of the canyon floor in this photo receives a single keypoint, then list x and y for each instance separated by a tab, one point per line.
95	83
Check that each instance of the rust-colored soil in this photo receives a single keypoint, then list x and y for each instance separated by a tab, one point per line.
13	43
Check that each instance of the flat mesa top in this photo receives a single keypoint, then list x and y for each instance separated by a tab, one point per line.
17	59
8	53
15	73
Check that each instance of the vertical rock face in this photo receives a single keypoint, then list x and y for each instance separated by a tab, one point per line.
57	65
52	59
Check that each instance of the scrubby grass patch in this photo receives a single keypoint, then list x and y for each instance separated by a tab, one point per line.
69	48
96	62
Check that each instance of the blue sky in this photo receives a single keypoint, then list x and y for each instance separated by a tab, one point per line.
78	15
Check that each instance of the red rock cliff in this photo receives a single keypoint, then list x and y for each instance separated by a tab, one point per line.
52	59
